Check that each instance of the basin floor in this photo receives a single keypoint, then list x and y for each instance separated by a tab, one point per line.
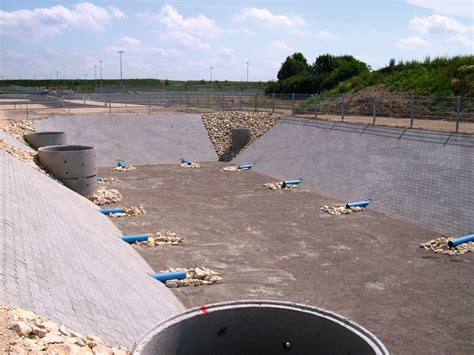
277	245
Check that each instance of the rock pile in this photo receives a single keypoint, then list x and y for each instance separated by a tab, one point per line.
279	185
108	180
129	211
440	246
125	168
32	334
190	165
104	196
341	209
219	127
233	168
28	157
161	238
18	129
194	277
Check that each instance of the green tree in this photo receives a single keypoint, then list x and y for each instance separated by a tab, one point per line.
293	65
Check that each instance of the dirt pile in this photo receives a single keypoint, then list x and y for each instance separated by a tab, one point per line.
108	180
219	127
341	209
279	186
129	211
125	168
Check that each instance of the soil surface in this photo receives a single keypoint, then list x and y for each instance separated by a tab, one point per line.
278	245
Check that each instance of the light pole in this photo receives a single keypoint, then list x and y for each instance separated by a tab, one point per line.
100	63
121	80
95	77
248	71
210	81
57	81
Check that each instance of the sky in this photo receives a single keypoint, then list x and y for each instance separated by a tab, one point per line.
181	40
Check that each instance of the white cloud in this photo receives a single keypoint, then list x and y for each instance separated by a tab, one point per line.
116	12
42	22
413	43
326	35
227	51
463	40
281	45
426	24
462	8
266	18
189	31
130	42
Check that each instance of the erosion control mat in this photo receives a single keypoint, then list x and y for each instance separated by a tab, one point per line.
219	126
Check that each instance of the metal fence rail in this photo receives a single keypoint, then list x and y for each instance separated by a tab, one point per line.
449	113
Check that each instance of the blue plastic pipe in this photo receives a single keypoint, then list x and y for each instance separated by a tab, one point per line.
121	163
246	166
165	276
185	161
132	238
358	204
466	239
111	210
291	182
98	179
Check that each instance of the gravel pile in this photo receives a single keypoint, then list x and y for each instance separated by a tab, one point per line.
341	209
104	196
125	168
161	238
129	211
108	180
440	246
219	127
194	277
279	186
190	165
28	157
18	129
32	334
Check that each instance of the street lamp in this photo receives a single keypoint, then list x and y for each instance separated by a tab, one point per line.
248	71
95	77
121	80
100	63
211	73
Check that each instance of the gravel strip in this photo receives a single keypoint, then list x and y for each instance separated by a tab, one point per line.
219	127
32	334
18	129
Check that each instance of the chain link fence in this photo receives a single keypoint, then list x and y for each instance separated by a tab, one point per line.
453	114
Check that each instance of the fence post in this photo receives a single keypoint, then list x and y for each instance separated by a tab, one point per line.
374	111
458	113
255	103
412	110
26	99
197	100
149	105
292	104
110	107
273	102
342	107
69	106
316	102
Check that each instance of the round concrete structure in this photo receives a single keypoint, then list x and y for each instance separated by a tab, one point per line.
74	165
43	139
240	138
258	327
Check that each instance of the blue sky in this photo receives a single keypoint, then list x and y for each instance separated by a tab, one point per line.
181	39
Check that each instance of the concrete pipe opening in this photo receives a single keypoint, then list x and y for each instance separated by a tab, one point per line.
240	138
254	327
43	139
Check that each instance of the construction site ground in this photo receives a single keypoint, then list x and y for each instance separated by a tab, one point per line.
278	245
